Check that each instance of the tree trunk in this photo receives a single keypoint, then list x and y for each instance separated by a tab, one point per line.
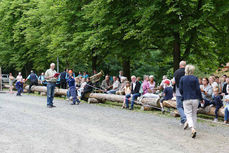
176	51
126	67
93	60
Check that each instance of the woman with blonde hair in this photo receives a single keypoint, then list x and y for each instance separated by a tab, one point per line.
190	90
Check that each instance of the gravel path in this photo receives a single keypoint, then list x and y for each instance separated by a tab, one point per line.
27	126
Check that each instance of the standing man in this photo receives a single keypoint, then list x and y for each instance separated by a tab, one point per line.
33	78
63	76
177	76
51	77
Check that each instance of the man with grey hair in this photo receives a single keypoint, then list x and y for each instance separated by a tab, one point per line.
177	76
135	88
51	77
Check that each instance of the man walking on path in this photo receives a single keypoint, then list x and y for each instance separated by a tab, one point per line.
51	77
33	78
177	76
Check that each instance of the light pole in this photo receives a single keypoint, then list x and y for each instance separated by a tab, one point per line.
57	63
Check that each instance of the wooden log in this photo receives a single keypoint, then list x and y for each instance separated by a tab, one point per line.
175	113
211	111
94	101
170	104
44	89
146	108
43	93
120	98
207	110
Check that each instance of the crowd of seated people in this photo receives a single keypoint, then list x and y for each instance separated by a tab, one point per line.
214	90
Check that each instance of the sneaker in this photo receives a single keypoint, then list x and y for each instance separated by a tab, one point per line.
72	104
53	106
211	105
193	133
162	111
185	125
215	120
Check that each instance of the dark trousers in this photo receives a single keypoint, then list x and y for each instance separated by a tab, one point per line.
19	91
74	94
63	84
134	97
30	85
84	94
217	106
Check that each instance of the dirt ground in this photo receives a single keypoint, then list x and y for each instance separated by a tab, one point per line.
27	126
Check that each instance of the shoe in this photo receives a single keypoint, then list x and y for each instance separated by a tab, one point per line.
49	106
77	103
72	104
162	111
130	108
225	122
215	120
185	125
53	105
193	133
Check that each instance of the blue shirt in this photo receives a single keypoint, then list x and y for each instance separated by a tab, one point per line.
71	82
190	88
85	76
168	91
42	77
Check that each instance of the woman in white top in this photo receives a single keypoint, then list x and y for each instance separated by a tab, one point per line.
19	77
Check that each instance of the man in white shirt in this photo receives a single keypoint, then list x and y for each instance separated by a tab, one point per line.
51	79
116	85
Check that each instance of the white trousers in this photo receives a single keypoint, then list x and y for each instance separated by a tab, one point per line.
190	110
150	95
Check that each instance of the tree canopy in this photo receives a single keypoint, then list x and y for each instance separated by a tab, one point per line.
138	37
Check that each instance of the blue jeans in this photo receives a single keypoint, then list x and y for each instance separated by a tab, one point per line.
73	94
111	91
226	113
134	97
50	93
180	109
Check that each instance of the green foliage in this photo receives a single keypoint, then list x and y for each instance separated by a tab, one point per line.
105	35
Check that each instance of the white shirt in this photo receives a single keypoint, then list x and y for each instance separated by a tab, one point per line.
134	84
19	78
